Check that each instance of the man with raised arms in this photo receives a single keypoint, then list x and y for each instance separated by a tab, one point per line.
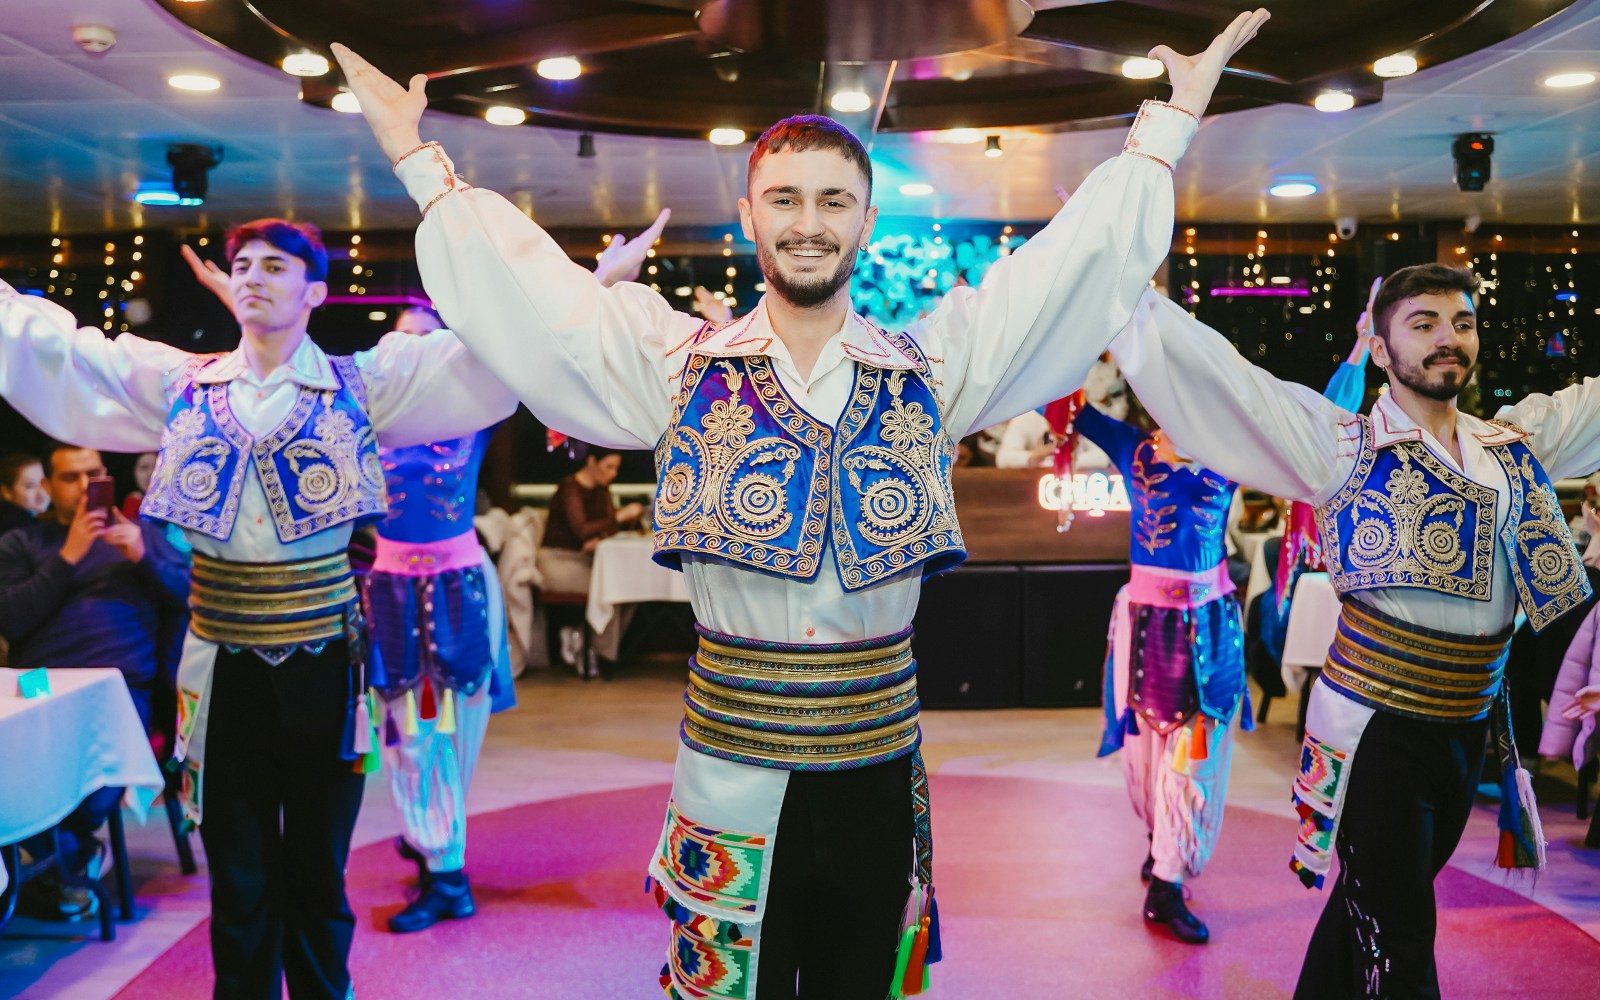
1436	526
803	460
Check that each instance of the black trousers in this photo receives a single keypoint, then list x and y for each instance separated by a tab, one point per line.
841	870
279	807
1411	791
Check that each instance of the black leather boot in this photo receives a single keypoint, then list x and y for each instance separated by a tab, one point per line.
1148	868
1163	904
445	896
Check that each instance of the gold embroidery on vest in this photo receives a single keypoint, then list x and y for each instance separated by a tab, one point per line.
183	466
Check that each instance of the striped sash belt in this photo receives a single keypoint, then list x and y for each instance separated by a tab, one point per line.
283	604
802	707
1420	673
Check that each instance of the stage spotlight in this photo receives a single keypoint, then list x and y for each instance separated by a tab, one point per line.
1472	151
191	165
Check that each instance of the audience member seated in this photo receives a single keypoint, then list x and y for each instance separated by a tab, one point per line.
1027	443
581	514
22	492
87	588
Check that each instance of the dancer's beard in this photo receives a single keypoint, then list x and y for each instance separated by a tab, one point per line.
810	290
1443	385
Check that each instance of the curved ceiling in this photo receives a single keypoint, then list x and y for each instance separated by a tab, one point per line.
679	68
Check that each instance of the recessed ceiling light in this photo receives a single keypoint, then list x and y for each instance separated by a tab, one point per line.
161	194
991	147
1398	64
198	82
1292	189
1580	78
559	68
916	189
1334	101
377	315
305	64
851	101
726	136
504	114
346	102
959	136
1142	68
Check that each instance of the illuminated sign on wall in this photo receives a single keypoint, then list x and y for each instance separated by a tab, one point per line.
1095	492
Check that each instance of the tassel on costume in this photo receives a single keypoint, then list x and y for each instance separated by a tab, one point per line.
363	733
411	722
429	706
447	714
919	944
1521	834
1198	740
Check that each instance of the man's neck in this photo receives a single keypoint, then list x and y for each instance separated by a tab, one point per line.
584	479
804	331
265	351
1436	416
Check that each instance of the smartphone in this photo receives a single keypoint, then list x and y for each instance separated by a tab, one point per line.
100	494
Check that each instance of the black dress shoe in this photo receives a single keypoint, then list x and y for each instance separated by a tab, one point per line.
446	896
1163	904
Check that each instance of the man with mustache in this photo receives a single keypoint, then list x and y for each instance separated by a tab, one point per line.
804	489
1436	526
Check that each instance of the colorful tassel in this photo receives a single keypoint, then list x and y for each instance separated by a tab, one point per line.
430	704
1198	740
370	762
447	714
363	733
411	722
391	731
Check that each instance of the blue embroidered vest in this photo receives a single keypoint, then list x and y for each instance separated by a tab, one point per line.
1405	519
433	488
318	468
1180	512
747	475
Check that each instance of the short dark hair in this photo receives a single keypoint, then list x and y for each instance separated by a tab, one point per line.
11	467
1419	279
298	239
599	454
800	133
55	448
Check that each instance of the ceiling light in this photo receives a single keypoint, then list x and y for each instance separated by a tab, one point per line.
851	101
1334	101
1577	79
559	68
346	102
991	147
377	315
198	82
1142	68
504	114
959	136
305	64
726	136
1395	65
1292	189
916	189
161	194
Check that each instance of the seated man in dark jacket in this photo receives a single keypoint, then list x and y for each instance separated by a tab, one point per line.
84	588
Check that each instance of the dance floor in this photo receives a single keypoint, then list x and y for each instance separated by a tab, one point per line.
1038	888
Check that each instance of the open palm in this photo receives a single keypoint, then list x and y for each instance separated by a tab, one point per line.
1193	78
622	257
393	112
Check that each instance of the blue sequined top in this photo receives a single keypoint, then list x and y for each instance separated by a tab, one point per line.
433	488
1180	512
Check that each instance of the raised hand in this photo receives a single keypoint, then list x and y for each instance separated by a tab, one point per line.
210	275
712	308
622	257
1193	78
393	112
1585	703
1366	327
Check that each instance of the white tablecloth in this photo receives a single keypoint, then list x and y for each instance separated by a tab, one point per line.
55	750
625	574
1313	619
